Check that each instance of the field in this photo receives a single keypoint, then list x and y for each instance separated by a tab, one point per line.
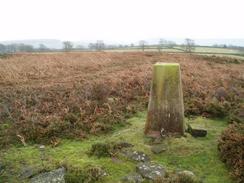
69	101
202	50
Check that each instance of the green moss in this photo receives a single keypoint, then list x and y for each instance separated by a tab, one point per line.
165	109
195	154
165	72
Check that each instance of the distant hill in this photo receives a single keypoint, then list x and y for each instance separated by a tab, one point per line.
50	43
57	44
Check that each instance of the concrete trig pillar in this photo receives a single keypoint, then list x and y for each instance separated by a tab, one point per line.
165	108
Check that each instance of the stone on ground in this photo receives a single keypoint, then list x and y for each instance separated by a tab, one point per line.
136	155
28	172
187	176
156	149
150	171
132	178
196	132
55	176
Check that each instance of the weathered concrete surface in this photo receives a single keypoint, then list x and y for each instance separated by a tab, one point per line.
165	108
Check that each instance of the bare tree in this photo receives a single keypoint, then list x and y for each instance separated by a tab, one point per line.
142	44
100	45
2	48
67	45
92	46
189	45
171	44
161	44
42	47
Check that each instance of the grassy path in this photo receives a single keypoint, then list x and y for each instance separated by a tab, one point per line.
199	155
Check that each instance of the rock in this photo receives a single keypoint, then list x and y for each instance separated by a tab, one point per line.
136	155
187	173
156	149
28	172
55	176
150	171
196	132
132	178
187	176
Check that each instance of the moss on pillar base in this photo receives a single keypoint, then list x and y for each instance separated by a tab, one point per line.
165	108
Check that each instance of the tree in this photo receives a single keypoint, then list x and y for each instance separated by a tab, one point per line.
170	44
11	48
142	44
80	47
2	48
42	47
100	45
24	48
189	45
91	46
161	44
67	45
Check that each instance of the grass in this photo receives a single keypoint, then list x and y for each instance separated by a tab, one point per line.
201	50
199	155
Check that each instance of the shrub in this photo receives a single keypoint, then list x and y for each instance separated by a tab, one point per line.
231	148
95	91
218	109
88	174
101	150
177	178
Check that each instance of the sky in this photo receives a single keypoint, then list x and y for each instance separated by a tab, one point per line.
120	20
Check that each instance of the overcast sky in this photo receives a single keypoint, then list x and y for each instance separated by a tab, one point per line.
120	20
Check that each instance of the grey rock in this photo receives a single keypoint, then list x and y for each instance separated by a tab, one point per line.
199	132
132	178
156	149
55	176
136	155
27	172
150	171
187	175
196	132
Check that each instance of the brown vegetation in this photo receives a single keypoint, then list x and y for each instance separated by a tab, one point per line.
71	95
231	147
